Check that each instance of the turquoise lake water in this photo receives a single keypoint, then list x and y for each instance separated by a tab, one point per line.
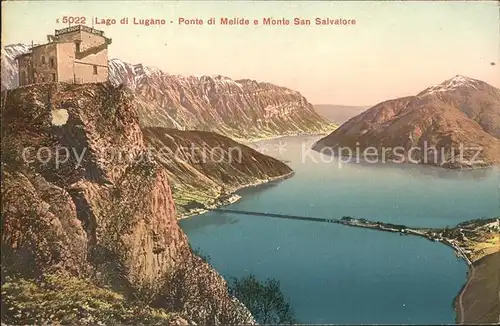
337	274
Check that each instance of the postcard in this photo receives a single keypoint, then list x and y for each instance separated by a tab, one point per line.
250	162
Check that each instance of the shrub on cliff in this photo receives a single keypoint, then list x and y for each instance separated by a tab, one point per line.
62	299
195	289
265	300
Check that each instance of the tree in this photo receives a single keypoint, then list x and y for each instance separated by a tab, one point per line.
265	300
195	290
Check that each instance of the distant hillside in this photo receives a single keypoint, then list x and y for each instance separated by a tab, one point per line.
455	124
197	183
339	113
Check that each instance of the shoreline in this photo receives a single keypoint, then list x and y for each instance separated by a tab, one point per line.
432	234
457	301
452	238
232	197
387	227
255	140
446	167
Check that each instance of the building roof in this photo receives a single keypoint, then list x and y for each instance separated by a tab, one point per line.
83	28
70	29
39	46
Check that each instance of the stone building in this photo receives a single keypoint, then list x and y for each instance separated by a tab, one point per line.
76	54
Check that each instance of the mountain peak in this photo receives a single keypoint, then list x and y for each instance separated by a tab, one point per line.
458	81
458	111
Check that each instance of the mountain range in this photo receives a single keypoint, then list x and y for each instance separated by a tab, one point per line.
455	124
241	109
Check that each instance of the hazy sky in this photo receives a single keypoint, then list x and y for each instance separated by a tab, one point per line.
395	49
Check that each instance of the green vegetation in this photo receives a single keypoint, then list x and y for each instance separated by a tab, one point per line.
194	289
62	299
265	300
188	198
189	290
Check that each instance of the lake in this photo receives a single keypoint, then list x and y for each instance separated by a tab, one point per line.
337	274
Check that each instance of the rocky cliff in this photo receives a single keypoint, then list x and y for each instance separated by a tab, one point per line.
241	109
205	168
81	196
455	124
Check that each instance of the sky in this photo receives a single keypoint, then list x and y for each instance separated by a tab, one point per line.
395	49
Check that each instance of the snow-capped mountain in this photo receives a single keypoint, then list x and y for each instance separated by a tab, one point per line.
453	84
477	99
9	65
459	112
122	73
242	109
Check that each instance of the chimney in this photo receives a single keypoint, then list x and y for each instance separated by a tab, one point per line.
51	38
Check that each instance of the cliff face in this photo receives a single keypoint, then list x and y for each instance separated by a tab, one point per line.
106	194
205	167
459	113
80	196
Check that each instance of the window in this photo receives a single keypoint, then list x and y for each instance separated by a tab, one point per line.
53	77
77	44
43	60
95	70
52	62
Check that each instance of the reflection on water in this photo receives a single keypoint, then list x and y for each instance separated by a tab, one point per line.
215	220
399	193
259	188
432	171
297	152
